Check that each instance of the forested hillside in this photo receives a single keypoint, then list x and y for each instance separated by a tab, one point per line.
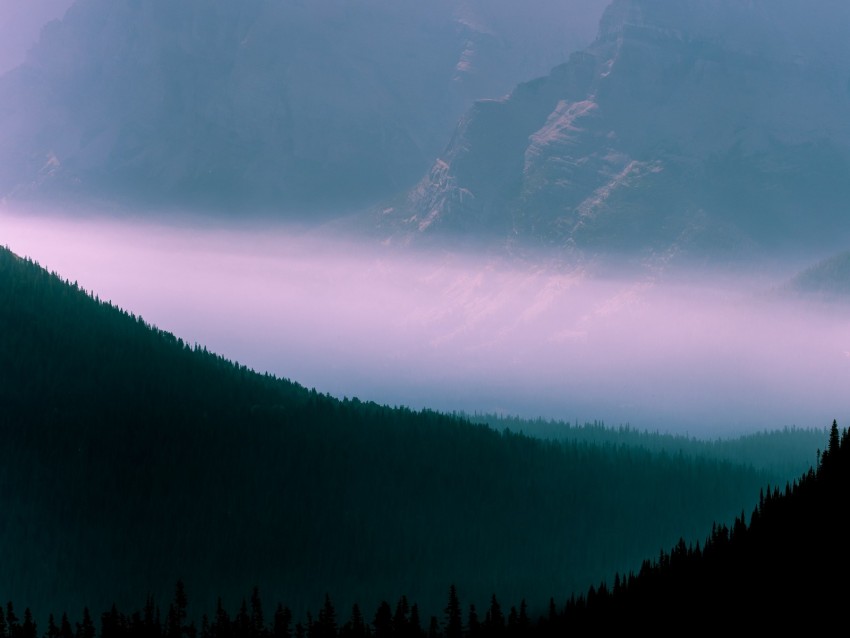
781	570
133	460
781	567
786	451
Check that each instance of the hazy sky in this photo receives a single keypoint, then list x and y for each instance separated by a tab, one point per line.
470	333
20	24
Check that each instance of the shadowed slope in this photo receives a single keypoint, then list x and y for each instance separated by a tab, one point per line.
132	459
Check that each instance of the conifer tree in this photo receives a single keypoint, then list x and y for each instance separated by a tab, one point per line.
454	623
176	620
326	627
415	622
28	628
222	626
495	624
52	628
282	621
258	624
383	621
12	627
86	629
111	623
473	625
553	613
833	444
513	621
172	622
65	630
400	619
150	619
356	626
524	622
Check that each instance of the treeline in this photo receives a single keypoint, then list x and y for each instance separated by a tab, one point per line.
251	620
132	459
783	570
787	451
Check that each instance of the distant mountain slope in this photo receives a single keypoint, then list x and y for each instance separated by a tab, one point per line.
788	452
829	278
20	24
713	127
262	103
132	459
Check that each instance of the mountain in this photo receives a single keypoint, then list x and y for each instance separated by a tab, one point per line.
20	24
132	460
709	127
262	103
788	452
829	278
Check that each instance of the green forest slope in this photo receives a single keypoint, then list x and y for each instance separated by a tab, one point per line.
785	451
132	460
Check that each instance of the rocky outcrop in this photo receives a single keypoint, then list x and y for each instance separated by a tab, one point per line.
685	126
260	102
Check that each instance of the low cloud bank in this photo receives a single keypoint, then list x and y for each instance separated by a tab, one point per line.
708	356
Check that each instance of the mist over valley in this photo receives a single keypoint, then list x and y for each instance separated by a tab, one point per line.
697	351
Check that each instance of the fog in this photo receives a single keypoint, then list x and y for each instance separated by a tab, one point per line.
696	354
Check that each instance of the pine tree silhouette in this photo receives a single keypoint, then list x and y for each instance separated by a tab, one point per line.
473	624
282	622
383	621
454	622
258	623
86	628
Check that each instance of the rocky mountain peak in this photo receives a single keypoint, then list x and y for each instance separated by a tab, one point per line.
686	126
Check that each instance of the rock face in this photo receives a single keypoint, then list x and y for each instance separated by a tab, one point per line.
20	23
698	125
262	102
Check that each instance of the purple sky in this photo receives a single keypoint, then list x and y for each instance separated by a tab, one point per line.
706	357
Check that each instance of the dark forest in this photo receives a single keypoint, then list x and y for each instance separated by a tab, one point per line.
135	461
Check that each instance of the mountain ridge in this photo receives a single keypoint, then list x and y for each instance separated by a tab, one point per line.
664	135
259	104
